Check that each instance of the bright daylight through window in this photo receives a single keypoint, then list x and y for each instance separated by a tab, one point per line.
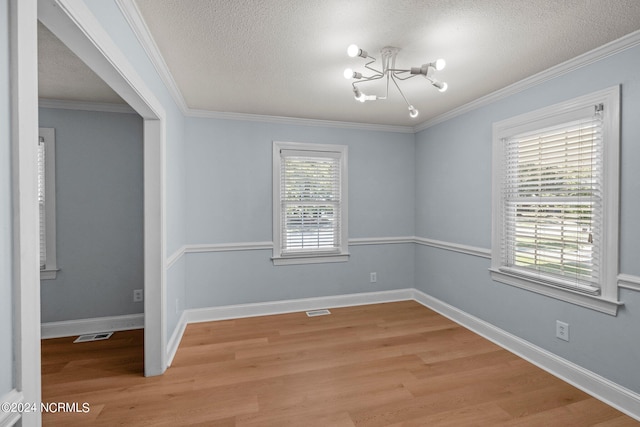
310	199
555	199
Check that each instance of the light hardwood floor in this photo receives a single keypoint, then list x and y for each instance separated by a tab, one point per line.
395	364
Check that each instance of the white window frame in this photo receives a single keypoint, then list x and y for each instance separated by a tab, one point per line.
339	254
607	299
50	269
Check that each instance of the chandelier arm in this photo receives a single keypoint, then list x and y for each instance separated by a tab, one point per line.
372	69
400	90
395	74
368	79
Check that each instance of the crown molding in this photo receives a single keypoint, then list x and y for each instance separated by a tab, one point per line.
134	19
295	121
597	54
105	107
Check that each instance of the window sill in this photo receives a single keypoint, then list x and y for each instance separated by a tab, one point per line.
309	259
594	302
49	274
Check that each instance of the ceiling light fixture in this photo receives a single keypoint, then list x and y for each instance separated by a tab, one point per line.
391	74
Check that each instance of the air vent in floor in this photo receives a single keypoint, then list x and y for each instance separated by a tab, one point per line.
94	337
314	313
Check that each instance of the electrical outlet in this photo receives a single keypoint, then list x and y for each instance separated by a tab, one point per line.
177	305
374	277
137	295
562	330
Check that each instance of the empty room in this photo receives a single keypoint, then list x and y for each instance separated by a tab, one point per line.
303	213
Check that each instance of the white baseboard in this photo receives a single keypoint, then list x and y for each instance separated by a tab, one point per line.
69	328
176	337
290	306
10	418
599	387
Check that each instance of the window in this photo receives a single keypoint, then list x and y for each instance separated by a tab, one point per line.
309	203
555	200
47	202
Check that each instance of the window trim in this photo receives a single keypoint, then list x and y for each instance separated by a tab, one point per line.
312	257
607	300
49	272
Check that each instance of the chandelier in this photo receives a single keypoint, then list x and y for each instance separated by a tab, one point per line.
390	74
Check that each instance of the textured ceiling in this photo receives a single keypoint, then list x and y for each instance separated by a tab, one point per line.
286	57
62	75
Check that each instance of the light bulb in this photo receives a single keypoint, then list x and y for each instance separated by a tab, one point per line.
413	113
440	64
442	86
353	50
348	73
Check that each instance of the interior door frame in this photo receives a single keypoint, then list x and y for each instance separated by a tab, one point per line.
74	24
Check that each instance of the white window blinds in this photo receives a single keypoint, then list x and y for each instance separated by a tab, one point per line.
42	202
552	203
310	197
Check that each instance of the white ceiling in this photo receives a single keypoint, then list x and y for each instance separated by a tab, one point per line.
63	76
286	57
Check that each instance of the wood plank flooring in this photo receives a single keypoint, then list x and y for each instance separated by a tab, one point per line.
394	364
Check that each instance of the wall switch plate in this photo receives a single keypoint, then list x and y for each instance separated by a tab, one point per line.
374	277
562	330
137	295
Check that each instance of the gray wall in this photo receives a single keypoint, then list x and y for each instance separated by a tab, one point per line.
229	192
453	203
6	254
110	17
99	215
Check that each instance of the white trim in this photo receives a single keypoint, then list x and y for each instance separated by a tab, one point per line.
176	337
261	246
23	69
175	257
210	314
310	259
365	241
76	26
626	42
49	274
455	247
155	321
594	302
104	107
629	281
8	419
296	121
132	14
228	247
70	328
597	386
